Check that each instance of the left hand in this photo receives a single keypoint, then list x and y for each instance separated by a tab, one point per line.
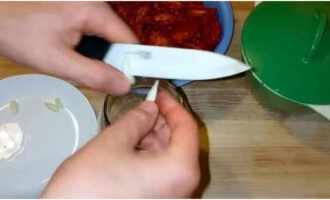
43	35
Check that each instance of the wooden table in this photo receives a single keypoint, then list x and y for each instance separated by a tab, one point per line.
248	151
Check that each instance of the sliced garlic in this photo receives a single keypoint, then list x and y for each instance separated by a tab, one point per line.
126	71
13	106
56	106
11	137
152	94
58	102
52	106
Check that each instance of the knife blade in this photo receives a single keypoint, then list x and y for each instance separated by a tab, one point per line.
172	63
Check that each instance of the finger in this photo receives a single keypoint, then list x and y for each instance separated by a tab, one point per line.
157	140
130	128
184	130
107	24
162	131
68	64
150	144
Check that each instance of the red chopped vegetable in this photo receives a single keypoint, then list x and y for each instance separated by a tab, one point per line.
177	24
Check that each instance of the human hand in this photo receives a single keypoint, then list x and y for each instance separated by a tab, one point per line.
110	166
42	35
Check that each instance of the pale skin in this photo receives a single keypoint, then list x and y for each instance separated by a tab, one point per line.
42	36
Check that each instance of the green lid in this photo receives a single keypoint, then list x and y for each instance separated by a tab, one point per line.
287	44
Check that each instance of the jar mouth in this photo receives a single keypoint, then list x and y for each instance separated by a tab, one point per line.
120	104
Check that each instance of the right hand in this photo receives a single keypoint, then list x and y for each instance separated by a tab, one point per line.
110	166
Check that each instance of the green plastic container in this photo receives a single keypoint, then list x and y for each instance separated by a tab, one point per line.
287	44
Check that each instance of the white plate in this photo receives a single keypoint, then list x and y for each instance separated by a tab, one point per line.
49	136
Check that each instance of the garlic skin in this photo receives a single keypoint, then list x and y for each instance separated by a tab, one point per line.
11	137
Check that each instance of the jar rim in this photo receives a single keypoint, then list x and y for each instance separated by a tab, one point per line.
144	83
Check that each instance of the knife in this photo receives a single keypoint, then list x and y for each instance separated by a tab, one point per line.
172	63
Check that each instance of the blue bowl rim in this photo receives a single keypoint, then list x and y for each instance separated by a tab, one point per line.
227	23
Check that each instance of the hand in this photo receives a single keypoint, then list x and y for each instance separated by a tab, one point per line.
42	35
110	166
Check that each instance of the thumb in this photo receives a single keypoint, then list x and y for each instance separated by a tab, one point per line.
130	128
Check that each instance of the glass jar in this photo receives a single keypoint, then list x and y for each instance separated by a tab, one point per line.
115	106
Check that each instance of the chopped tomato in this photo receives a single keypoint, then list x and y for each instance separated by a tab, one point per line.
170	23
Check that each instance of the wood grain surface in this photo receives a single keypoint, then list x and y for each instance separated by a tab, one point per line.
247	150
